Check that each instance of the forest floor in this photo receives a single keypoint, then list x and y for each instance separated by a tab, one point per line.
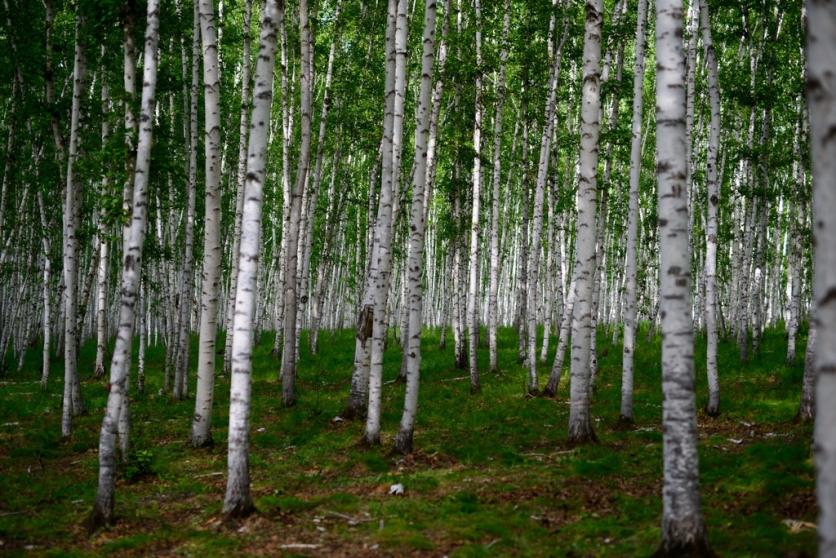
492	474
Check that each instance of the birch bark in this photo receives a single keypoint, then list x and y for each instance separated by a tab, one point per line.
821	100
239	180
580	422
132	264
71	255
403	441
473	284
293	224
383	240
238	501
683	530
210	295
711	231
631	258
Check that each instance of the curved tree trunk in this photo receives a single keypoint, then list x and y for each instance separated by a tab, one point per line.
132	265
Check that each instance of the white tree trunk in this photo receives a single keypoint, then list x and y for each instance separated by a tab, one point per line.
580	421
293	224
132	265
493	286
412	356
474	282
47	299
711	230
71	209
631	257
383	234
187	274
210	295
537	221
239	180
821	99
238	501
683	529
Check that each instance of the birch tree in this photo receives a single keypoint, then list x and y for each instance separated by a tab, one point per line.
131	270
72	401
683	530
403	441
631	257
711	232
821	101
381	281
238	501
580	421
473	284
209	299
292	226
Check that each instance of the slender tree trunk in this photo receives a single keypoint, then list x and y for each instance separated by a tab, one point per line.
210	295
683	530
239	181
562	342
238	501
794	265
187	271
711	232
412	356
474	283
631	258
580	421
101	279
537	222
293	224
807	409
383	238
71	255
47	299
132	264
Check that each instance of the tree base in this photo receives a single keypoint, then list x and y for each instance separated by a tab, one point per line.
549	391
532	391
694	549
205	443
713	412
98	519
354	411
583	437
475	389
369	440
403	442
239	510
625	424
461	361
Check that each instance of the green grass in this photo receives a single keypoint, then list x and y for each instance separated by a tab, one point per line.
492	474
